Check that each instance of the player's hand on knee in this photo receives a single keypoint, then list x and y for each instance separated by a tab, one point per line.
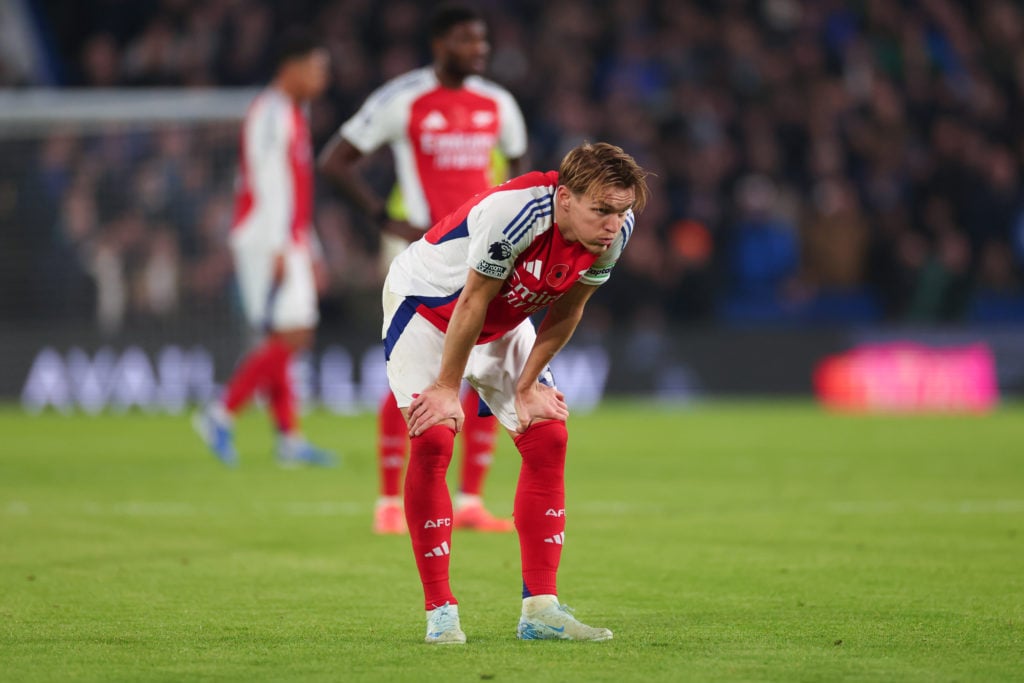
540	402
435	405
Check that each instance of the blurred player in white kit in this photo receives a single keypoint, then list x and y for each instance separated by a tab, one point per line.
276	252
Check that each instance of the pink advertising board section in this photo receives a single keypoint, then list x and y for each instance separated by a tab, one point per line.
907	377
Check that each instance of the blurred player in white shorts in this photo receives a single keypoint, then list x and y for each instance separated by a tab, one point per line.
457	304
444	123
275	253
289	304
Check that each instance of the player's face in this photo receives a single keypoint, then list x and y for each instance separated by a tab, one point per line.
464	49
594	220
314	71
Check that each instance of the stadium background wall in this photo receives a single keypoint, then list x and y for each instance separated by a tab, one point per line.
69	369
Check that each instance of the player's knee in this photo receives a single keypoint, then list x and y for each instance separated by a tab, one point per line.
434	445
546	440
297	339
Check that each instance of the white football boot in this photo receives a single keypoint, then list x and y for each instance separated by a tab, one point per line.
544	618
443	626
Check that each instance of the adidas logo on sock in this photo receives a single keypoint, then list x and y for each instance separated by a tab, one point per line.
440	550
557	539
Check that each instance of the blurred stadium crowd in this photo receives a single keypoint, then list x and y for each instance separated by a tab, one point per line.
827	161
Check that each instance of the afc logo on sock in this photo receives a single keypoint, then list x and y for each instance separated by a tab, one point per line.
555	513
438	523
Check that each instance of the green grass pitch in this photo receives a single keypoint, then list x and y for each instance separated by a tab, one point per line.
721	542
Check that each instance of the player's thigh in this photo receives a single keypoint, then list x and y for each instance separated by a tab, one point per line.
414	358
295	305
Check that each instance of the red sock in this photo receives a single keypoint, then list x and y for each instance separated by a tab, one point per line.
478	436
392	443
256	371
428	512
282	396
540	505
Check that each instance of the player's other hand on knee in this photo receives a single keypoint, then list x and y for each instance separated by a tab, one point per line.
539	402
435	405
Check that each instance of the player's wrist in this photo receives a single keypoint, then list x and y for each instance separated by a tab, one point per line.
447	386
526	385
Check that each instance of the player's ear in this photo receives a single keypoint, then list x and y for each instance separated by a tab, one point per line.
563	194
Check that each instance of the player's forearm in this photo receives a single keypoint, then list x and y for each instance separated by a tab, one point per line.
465	325
463	331
554	333
338	162
357	192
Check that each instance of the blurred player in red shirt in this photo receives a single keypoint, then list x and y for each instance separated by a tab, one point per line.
457	305
443	123
275	251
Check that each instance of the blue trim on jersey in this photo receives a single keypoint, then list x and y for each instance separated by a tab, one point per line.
460	230
482	409
537	208
627	228
519	215
406	311
437	301
398	324
535	215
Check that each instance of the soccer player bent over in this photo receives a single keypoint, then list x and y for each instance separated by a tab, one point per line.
456	305
272	242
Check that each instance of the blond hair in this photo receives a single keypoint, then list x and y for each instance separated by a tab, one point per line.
590	168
